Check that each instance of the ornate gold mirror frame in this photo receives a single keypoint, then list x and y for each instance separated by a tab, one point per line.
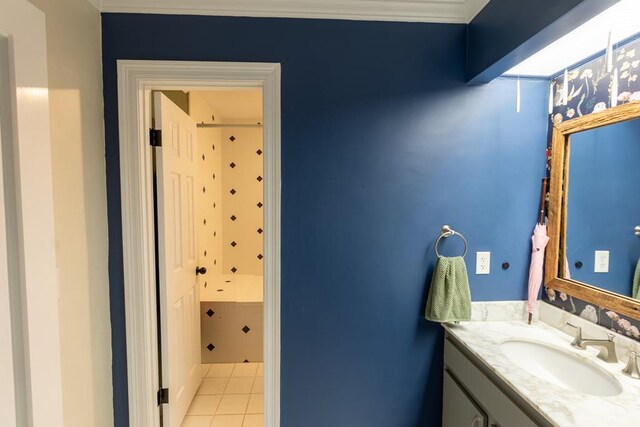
557	214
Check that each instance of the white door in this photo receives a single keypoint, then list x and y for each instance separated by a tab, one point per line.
177	253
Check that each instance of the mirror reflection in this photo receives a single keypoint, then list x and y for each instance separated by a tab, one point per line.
603	208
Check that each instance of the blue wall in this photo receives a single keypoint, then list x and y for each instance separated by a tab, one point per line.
382	143
603	204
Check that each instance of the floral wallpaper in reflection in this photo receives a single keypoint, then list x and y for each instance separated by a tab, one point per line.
589	85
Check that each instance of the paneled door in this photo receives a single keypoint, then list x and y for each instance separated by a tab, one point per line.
177	258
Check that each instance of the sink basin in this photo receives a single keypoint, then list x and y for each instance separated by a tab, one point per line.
561	367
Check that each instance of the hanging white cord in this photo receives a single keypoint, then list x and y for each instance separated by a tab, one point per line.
565	88
518	95
614	88
551	97
609	54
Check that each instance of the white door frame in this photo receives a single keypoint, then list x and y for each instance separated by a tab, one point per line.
30	376
136	79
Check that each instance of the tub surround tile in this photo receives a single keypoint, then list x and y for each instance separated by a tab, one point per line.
559	406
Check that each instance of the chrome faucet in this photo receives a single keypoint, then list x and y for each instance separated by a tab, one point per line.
607	347
631	370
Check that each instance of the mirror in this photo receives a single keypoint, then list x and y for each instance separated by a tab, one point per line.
594	209
603	208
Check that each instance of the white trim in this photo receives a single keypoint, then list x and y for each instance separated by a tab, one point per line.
473	7
450	11
35	334
135	81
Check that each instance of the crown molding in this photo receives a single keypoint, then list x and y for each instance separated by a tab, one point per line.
450	11
473	7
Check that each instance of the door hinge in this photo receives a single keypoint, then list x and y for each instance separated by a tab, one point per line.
163	396
155	137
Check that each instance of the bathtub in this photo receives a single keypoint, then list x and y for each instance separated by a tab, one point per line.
233	288
231	319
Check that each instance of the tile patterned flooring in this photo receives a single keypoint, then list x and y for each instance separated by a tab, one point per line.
231	395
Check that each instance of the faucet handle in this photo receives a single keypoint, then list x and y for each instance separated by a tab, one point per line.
577	339
631	370
611	337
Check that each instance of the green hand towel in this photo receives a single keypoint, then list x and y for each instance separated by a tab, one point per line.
636	282
449	296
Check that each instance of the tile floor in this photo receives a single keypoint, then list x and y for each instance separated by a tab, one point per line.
231	395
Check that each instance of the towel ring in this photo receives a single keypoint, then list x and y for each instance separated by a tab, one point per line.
447	231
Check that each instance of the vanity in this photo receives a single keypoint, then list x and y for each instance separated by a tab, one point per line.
508	373
578	364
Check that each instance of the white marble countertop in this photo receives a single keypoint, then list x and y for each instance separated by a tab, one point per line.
560	406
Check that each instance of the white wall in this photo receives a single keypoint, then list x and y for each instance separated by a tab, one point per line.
78	161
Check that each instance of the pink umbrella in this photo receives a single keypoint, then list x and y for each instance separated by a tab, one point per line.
539	242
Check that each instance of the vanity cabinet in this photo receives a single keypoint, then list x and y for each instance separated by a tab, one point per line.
459	409
475	397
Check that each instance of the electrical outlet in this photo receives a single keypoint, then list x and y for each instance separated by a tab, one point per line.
601	262
483	262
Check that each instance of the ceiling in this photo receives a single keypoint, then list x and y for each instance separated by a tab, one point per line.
445	11
233	105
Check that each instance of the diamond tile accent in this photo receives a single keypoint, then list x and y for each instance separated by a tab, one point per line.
215	262
232	165
210	312
234	244
213	147
259	152
259	178
210	347
214	233
213	176
232	138
204	189
246	329
260	256
259	230
203	157
205	252
204	221
233	218
259	204
233	191
233	270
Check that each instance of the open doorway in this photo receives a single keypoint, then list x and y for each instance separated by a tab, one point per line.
228	384
217	175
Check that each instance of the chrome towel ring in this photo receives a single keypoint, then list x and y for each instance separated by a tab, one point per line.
447	231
